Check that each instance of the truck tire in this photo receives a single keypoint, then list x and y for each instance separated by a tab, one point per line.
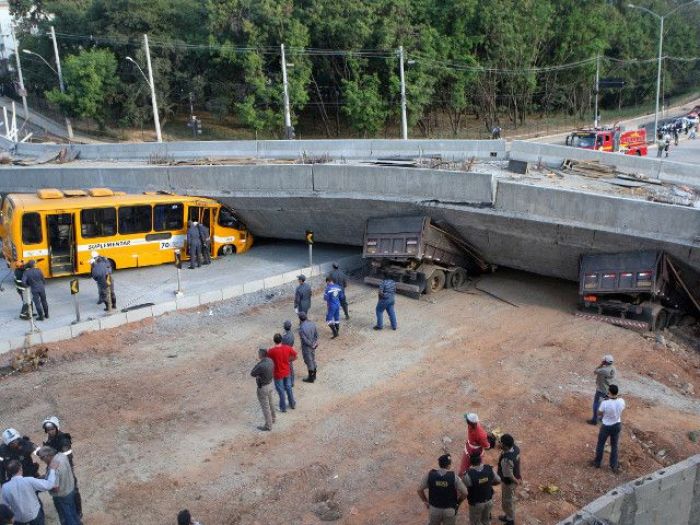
227	249
435	282
458	278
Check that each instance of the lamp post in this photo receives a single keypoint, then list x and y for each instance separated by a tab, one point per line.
149	81
661	19
61	85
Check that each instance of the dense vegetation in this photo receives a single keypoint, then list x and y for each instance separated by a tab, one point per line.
490	59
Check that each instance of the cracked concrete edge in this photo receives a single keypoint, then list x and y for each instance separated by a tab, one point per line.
185	302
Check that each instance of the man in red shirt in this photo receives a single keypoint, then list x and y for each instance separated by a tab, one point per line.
281	356
477	441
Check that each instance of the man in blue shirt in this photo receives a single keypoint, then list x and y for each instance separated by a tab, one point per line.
387	297
20	493
333	295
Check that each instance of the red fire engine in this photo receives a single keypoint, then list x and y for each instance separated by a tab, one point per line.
633	142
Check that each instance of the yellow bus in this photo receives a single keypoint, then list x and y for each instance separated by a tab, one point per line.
59	229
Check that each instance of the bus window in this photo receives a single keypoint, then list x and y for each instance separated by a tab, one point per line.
228	220
134	219
167	217
98	222
206	212
31	228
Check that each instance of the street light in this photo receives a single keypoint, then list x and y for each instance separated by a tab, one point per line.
149	81
41	58
661	44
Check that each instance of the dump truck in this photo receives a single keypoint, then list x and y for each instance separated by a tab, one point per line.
644	290
420	256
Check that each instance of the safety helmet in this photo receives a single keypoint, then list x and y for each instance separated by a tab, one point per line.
94	254
10	435
53	420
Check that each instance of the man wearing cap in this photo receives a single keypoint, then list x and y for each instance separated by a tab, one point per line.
309	343
15	446
445	492
604	377
302	296
263	372
288	339
509	472
476	442
34	278
341	280
101	272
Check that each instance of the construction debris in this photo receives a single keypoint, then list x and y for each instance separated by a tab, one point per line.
27	361
592	169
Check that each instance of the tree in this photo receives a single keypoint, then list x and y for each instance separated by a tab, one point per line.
364	105
91	81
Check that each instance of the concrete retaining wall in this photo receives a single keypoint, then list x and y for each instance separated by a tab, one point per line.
279	149
183	302
669	496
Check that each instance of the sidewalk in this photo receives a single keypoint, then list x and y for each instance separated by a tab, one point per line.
265	266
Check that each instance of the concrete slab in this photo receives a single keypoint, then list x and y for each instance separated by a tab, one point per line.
161	308
232	291
133	316
88	326
56	334
211	297
112	321
187	301
253	286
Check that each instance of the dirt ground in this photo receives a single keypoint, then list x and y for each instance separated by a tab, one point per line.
164	413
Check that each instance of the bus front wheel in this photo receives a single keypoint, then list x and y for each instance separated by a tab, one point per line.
227	249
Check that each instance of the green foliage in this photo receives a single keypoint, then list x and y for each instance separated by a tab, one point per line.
364	105
91	81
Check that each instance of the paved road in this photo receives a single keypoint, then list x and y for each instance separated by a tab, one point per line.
157	284
686	151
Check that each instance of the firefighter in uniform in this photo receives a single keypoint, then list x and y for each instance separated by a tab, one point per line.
62	442
15	446
480	480
509	472
445	492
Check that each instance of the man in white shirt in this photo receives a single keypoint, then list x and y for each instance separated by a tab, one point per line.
610	411
20	494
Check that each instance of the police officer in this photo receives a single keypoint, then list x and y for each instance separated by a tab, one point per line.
194	243
15	446
480	480
333	295
62	442
302	296
387	297
205	238
509	472
445	492
309	342
288	339
34	278
19	273
101	272
341	280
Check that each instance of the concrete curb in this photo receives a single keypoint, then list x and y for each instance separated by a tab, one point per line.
669	495
184	302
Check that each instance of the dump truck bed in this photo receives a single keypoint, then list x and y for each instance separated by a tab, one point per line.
628	273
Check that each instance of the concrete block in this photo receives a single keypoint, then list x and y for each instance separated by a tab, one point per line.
326	267
212	296
113	320
161	308
139	314
56	334
274	281
232	291
87	326
290	277
187	301
17	342
253	286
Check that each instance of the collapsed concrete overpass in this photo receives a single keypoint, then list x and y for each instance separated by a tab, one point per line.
532	222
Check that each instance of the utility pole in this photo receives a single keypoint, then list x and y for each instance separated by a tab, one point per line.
404	123
658	76
288	133
156	119
597	89
23	91
61	85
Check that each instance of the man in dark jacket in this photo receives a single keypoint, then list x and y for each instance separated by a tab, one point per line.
101	272
34	278
205	239
309	342
194	244
16	446
480	480
302	296
387	298
341	280
288	339
263	373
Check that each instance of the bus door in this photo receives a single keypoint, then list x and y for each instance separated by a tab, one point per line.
204	215
60	230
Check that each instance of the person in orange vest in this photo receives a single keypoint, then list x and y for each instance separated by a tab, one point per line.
476	442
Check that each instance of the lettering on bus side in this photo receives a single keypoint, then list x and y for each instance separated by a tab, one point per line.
114	244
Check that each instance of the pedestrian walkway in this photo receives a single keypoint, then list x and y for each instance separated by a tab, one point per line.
266	265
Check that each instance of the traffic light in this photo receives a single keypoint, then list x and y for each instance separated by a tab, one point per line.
309	237
74	286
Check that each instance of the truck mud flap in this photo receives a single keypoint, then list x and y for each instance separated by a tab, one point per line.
617	321
410	290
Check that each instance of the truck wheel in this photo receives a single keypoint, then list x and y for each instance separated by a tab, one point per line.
436	282
459	278
227	249
661	321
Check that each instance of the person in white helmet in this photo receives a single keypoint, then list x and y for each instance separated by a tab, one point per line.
16	446
62	442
